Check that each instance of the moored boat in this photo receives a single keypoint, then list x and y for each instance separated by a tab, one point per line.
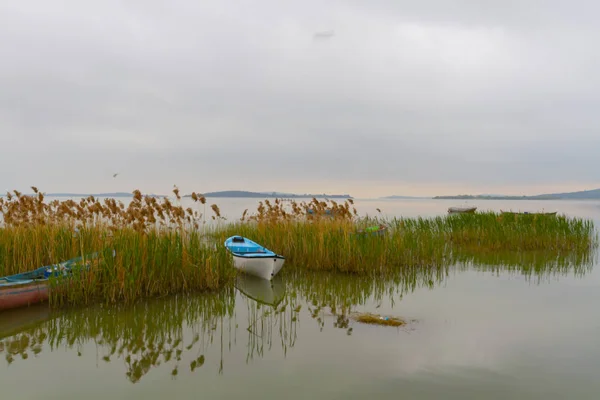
254	259
464	209
528	213
27	288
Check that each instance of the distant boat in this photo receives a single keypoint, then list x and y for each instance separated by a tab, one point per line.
465	209
528	213
254	259
25	289
264	292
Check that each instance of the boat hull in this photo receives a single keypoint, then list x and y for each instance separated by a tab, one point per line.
23	295
463	210
265	267
529	213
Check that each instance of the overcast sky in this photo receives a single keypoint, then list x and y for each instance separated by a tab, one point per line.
406	97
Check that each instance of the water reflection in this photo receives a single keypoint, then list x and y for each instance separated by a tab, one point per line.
188	332
538	265
262	291
269	312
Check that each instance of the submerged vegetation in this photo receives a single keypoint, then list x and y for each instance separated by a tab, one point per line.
376	319
161	247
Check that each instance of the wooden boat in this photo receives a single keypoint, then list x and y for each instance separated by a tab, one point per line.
264	292
528	213
464	210
25	289
254	259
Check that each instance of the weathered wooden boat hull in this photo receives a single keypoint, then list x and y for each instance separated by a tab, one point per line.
28	288
24	295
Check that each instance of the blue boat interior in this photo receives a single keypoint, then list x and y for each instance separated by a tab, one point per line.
242	246
23	278
42	273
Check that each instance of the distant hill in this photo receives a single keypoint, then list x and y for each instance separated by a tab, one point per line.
262	195
115	194
581	195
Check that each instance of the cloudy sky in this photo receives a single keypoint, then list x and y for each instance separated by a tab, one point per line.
406	97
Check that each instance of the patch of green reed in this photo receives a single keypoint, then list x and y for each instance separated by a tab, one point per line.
144	265
492	231
332	243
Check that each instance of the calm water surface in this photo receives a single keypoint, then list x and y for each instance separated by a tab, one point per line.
493	329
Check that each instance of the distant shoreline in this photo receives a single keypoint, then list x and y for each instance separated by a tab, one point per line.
223	194
498	198
244	194
581	195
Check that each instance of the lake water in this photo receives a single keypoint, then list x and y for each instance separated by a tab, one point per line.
475	332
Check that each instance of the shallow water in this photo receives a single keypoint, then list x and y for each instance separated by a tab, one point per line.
487	330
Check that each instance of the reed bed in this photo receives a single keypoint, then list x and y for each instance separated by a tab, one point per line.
154	247
149	248
329	238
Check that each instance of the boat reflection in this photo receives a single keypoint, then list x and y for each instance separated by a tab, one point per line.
262	291
18	320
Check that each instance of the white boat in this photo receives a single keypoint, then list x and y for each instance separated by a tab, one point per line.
254	259
465	209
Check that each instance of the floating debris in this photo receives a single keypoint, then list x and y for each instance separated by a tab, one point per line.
376	319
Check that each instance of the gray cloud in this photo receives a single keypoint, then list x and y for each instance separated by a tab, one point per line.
201	93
